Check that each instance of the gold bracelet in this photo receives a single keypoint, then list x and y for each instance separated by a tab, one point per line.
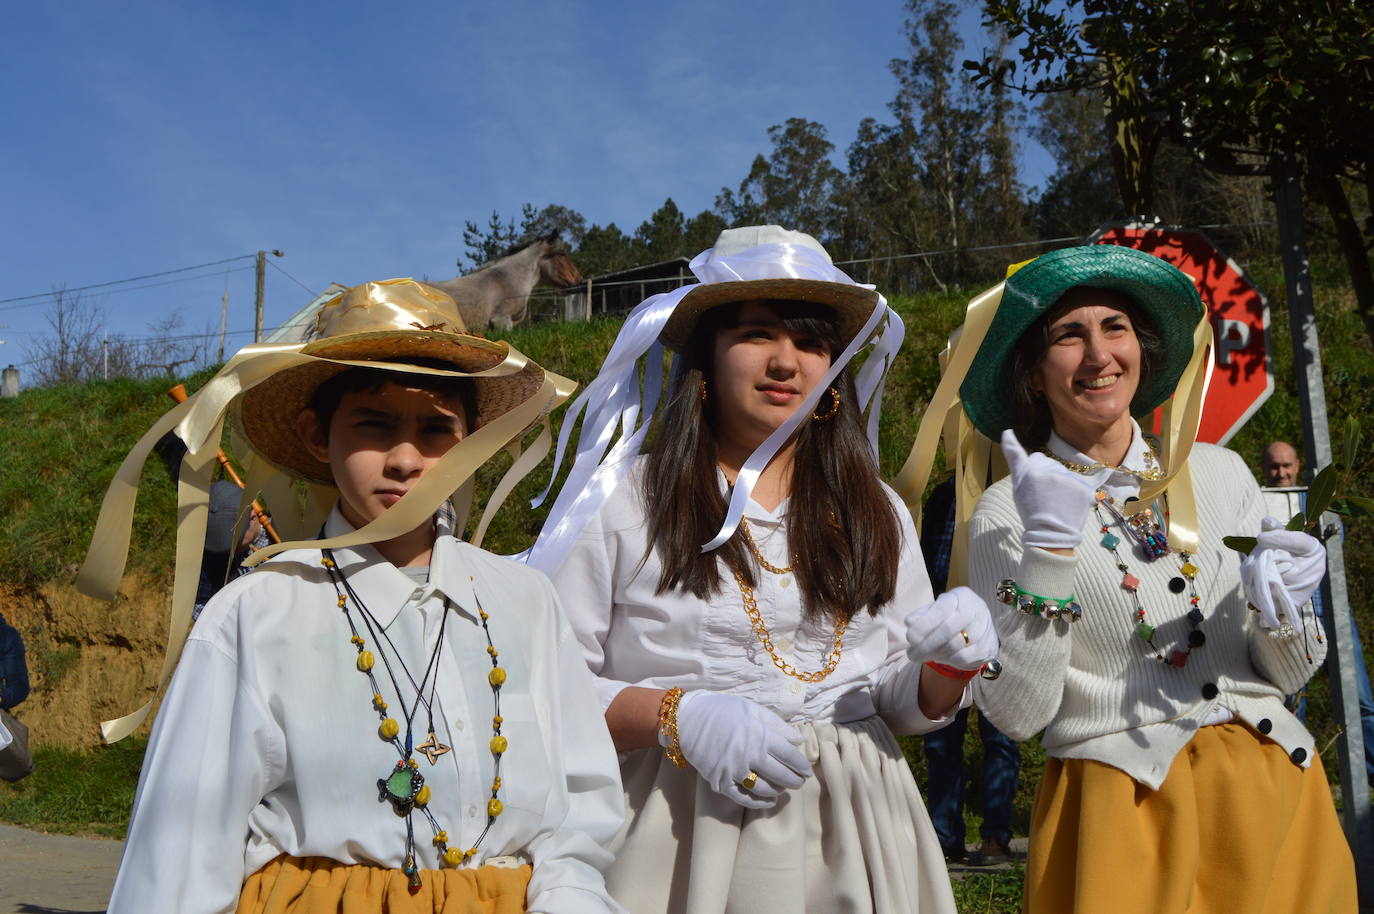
667	726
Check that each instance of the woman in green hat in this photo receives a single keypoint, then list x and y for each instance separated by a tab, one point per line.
1154	658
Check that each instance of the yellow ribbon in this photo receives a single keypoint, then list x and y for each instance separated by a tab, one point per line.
199	421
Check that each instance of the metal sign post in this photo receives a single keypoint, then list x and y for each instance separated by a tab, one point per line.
1307	367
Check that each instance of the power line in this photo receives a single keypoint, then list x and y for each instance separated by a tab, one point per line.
151	285
312	292
116	282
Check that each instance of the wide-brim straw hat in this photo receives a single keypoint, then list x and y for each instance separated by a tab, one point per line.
387	325
1163	292
768	281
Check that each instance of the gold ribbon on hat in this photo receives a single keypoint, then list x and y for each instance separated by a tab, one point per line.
978	462
199	421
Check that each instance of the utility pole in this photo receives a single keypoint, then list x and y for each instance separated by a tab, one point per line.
224	320
1307	366
257	313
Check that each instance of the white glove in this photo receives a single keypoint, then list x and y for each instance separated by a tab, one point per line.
955	630
1053	500
1281	572
725	737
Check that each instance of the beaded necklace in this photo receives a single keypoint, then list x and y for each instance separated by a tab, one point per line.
1145	531
404	786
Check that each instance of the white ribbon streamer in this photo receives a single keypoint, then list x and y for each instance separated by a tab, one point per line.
625	395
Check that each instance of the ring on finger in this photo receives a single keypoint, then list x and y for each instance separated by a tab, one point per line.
749	781
967	642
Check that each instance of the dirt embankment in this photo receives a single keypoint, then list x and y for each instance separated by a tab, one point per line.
88	660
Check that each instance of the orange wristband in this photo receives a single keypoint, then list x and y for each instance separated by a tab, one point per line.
953	672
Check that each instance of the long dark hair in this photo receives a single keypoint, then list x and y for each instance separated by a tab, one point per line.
1033	421
842	529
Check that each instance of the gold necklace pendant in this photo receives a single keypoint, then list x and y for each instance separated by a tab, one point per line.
1151	473
751	609
758	554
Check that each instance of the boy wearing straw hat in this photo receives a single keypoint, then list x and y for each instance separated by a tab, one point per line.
385	718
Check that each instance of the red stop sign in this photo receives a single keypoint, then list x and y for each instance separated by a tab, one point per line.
1242	378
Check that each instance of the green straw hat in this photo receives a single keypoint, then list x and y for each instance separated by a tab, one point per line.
1166	295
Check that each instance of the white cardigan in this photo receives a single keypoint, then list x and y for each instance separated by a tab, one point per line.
1097	689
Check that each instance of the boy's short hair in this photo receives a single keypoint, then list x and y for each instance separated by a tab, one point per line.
324	402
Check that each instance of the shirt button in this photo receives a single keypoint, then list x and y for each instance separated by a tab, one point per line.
787	581
794	687
1298	755
1265	726
458	725
1209	691
472	811
784	644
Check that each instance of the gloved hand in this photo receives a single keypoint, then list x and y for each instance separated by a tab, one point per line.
1281	572
1053	500
724	737
937	631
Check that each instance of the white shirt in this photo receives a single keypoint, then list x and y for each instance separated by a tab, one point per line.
267	743
631	635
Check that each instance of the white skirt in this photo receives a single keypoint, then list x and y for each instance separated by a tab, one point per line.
854	838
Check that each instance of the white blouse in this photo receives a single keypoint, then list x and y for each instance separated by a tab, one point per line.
267	744
632	636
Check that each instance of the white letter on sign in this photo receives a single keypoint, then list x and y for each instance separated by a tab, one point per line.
1232	336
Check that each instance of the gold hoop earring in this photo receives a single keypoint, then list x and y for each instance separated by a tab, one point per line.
834	407
702	390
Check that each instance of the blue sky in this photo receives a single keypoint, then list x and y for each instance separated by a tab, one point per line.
146	136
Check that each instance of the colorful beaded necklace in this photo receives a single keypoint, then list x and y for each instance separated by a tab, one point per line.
404	786
1146	532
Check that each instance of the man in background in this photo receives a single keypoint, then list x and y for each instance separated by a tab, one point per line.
1281	467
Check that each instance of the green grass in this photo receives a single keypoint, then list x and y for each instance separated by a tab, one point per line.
76	792
993	892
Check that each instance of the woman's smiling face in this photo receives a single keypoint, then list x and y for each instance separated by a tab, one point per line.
1091	368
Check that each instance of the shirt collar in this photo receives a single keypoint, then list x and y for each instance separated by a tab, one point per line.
384	589
756	512
1116	481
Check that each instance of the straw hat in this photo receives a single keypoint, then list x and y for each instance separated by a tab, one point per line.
386	325
1166	295
768	281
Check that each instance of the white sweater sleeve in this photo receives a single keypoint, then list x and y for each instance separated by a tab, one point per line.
1283	660
214	753
1034	651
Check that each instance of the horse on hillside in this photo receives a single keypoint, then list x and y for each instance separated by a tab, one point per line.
498	293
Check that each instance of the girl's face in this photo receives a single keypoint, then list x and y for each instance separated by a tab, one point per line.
1091	368
762	371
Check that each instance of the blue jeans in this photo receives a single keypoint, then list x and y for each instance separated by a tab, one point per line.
1366	700
944	751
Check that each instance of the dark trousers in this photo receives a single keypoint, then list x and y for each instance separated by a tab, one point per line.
944	751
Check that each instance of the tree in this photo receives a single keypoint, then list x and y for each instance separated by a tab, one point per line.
794	186
79	347
1081	193
500	238
604	250
662	235
1249	87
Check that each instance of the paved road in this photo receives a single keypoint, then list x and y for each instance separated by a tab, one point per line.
55	874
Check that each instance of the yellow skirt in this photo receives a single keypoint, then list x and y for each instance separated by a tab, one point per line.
1235	827
318	885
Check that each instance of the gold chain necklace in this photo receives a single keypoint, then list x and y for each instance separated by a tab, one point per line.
751	609
1151	473
754	547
